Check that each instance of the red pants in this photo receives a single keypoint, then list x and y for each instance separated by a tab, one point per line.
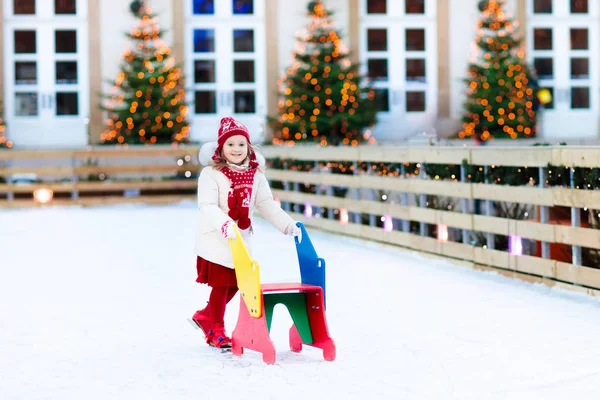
224	287
217	302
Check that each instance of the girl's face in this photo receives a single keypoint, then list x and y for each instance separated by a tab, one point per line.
235	149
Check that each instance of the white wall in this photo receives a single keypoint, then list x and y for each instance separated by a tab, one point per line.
293	18
116	20
463	15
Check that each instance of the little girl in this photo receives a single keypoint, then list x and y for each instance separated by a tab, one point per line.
229	189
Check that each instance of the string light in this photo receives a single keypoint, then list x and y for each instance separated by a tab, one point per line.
147	105
4	142
43	195
442	233
514	176
323	99
500	98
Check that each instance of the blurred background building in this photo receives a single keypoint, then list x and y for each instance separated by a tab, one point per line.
56	57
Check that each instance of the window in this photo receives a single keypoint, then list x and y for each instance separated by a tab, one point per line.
414	6
204	71
24	7
204	40
579	39
544	67
65	41
201	7
542	6
376	7
25	42
377	40
415	39
415	101
62	7
579	6
542	39
243	7
580	97
25	73
243	40
378	68
415	69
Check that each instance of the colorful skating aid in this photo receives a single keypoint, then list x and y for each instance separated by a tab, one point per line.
304	300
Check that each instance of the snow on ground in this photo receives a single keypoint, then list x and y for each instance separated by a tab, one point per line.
93	305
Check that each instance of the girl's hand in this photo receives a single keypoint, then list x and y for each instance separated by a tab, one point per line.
294	230
227	230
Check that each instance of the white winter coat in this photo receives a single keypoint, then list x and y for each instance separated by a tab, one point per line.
213	191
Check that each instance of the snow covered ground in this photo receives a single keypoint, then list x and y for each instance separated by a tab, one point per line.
93	305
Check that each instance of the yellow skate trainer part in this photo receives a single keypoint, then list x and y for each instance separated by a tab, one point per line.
247	272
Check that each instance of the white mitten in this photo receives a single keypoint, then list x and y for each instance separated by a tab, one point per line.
227	230
294	230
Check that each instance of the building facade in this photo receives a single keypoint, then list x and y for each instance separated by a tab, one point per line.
56	56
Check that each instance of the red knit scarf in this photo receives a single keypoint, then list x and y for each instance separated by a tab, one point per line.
240	195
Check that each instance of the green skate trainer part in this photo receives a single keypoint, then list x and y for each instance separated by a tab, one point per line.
296	305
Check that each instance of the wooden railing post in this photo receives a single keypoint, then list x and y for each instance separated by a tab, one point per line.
404	201
372	217
575	220
329	192
464	205
318	189
296	189
74	178
490	238
356	217
544	211
286	186
317	186
10	196
422	201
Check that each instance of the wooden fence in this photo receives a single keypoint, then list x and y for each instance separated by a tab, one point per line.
75	178
542	198
100	176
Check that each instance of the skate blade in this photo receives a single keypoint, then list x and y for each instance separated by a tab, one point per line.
196	325
221	350
224	348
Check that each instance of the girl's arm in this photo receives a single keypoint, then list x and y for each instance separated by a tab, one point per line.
269	209
208	200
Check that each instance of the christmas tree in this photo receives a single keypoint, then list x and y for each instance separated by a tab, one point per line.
500	97
4	143
323	98
146	104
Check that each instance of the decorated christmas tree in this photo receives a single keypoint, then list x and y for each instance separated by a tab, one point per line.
146	104
500	94
323	98
4	143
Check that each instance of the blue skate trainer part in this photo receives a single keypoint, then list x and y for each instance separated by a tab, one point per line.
312	268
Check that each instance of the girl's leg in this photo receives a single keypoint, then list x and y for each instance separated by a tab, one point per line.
212	316
219	297
216	304
231	293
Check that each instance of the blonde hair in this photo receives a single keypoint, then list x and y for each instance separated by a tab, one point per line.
223	161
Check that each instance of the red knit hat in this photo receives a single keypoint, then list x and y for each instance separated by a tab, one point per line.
231	127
